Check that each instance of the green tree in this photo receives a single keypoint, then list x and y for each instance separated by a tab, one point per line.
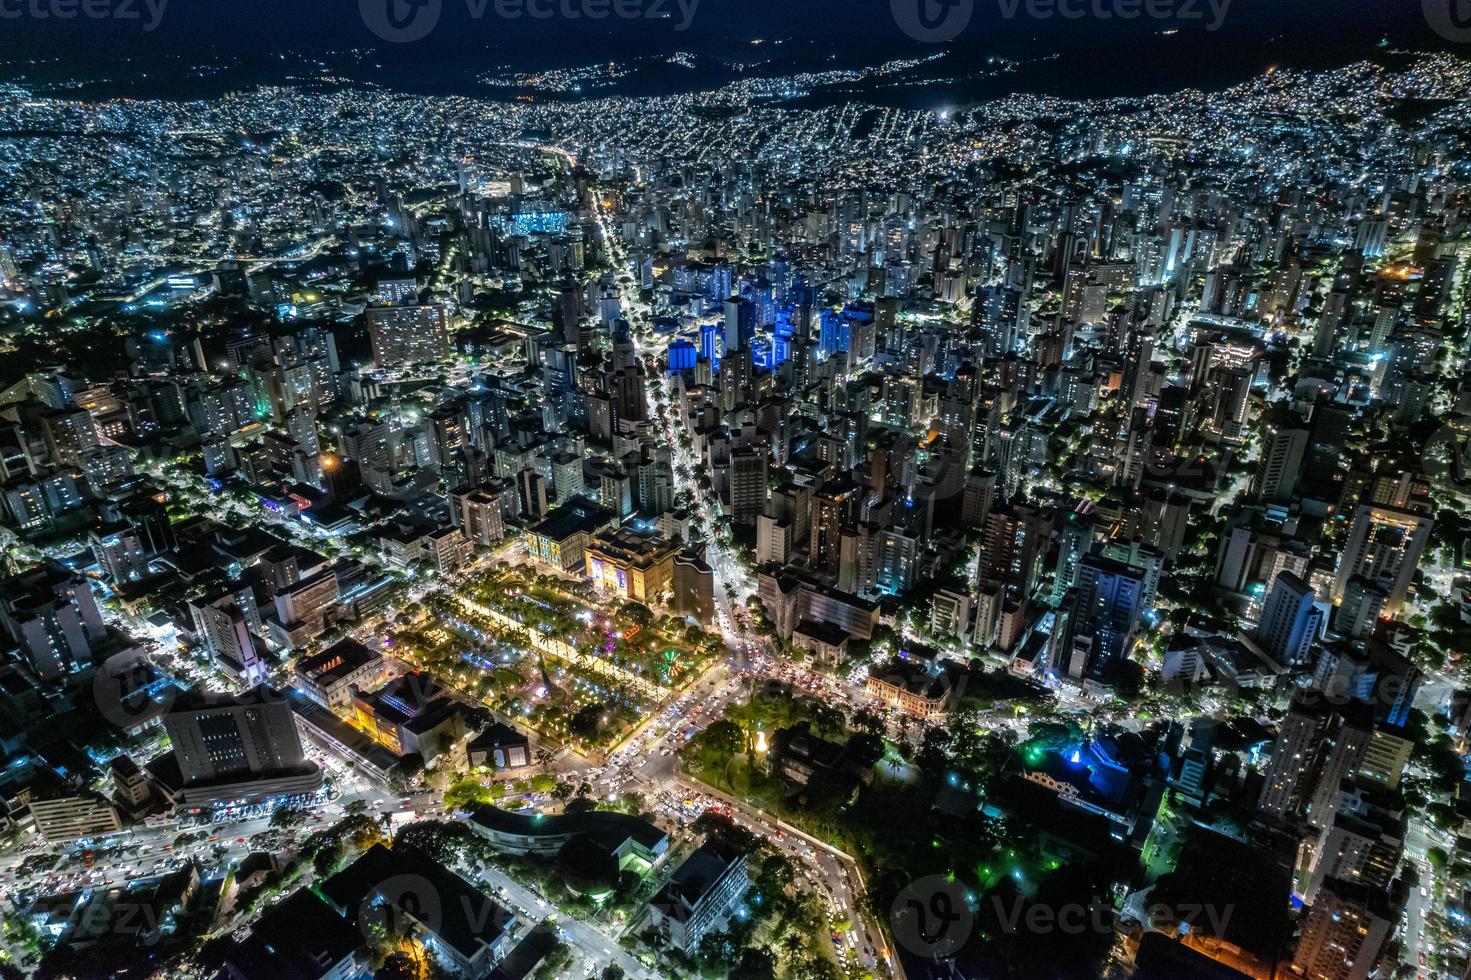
869	721
465	792
405	771
286	817
722	738
757	963
776	875
329	857
398	966
636	614
587	723
866	749
826	718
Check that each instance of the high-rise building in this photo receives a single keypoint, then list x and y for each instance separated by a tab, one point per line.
740	324
1075	541
571	309
68	434
1000	316
1291	621
120	554
712	348
1012	542
1344	934
132	791
748	475
226	625
49	611
242	747
150	522
832	507
1229	393
1105	611
1316	748
480	515
773	541
699	896
1284	446
406	335
1385	545
693	586
1363	844
1138	360
1358	614
1385	758
1328	323
1370	673
979	496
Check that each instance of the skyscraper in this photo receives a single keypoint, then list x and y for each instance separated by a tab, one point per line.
1000	317
1075	539
1011	541
832	507
1290	621
1384	548
748	469
120	554
740	324
1107	603
1284	445
1316	747
49	611
1344	933
226	625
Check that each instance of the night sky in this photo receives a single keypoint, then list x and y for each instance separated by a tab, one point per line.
247	39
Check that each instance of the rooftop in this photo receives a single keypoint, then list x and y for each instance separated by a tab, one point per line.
572	518
296	940
338	660
463	917
612	830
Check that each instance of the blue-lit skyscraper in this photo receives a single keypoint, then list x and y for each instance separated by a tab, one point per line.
781	337
712	345
828	330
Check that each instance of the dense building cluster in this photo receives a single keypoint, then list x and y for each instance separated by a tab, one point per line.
1098	470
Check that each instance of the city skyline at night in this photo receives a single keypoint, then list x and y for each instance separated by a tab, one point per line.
885	490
